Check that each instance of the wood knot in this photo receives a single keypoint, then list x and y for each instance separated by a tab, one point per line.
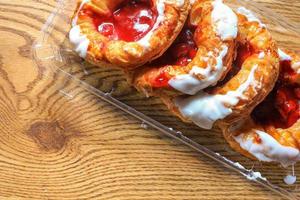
49	135
24	103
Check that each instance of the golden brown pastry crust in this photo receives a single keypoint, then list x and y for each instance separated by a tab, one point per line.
128	55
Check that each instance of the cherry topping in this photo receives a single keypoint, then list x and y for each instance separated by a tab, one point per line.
257	139
181	53
184	48
293	118
180	50
107	29
161	80
297	92
131	21
187	35
287	73
192	53
183	61
282	107
287	104
290	105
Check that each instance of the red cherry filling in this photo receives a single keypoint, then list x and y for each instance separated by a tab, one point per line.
282	107
161	80
181	53
287	73
130	22
287	105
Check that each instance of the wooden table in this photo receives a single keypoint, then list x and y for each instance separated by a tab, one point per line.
52	147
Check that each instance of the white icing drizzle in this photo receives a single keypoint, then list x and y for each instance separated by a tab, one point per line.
290	179
75	19
283	56
255	175
80	41
191	84
140	26
205	109
250	16
252	175
261	55
100	27
145	41
224	20
192	2
296	67
269	149
144	13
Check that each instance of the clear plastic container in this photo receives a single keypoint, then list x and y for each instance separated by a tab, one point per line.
52	50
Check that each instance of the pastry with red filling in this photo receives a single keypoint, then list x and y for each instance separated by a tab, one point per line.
200	57
126	33
272	132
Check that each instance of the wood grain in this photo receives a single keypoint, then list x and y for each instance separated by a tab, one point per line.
58	141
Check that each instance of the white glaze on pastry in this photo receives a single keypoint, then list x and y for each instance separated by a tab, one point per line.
142	27
191	83
261	55
224	20
205	109
283	56
252	175
269	149
75	19
296	67
80	41
290	179
145	41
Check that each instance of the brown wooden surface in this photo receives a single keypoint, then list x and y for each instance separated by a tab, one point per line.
53	147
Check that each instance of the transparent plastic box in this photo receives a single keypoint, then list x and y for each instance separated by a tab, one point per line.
52	50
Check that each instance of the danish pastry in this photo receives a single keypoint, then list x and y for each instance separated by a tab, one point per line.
272	132
200	57
251	78
223	69
126	33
